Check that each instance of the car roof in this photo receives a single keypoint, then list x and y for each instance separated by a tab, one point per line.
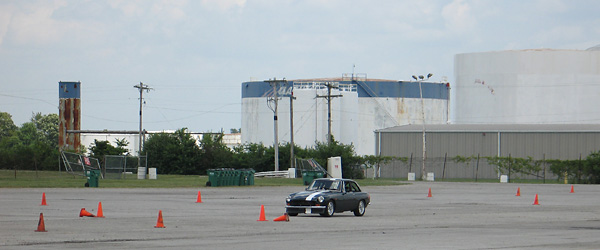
335	179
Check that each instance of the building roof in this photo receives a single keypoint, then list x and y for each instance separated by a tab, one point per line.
341	79
529	128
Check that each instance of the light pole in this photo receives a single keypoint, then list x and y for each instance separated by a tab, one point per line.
420	79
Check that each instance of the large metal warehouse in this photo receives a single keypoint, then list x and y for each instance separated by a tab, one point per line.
359	107
526	86
445	142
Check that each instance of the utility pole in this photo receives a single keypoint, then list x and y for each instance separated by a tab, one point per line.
328	97
275	83
141	87
292	98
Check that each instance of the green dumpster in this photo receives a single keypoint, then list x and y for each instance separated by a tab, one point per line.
92	177
243	177
221	178
247	177
250	178
213	178
228	178
235	174
309	175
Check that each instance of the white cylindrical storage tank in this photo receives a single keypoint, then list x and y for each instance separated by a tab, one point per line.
358	108
526	86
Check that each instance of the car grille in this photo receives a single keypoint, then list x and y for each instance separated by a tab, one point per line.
301	203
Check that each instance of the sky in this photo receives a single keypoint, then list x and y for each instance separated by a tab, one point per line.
195	54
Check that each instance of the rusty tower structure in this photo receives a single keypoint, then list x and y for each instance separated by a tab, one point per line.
69	115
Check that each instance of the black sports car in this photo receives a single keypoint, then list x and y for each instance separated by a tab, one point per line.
327	196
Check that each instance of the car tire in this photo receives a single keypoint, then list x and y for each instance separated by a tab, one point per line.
360	209
293	214
329	210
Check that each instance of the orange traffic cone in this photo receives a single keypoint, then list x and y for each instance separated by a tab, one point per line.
41	225
536	200
44	199
262	213
100	214
85	213
159	223
572	189
199	200
284	217
429	195
518	191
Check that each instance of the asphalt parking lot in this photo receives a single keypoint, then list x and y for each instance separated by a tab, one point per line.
457	216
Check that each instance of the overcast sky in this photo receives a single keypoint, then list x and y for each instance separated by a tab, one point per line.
196	54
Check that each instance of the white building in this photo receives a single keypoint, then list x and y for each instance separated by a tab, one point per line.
360	107
87	139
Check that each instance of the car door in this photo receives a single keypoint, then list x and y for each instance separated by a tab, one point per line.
345	200
353	195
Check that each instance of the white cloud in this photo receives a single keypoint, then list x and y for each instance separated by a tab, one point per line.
6	12
170	10
458	16
131	8
37	24
559	33
551	6
34	24
223	4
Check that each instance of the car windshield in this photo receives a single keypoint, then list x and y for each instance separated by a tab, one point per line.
324	185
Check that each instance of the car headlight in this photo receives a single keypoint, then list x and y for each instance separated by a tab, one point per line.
288	199
320	199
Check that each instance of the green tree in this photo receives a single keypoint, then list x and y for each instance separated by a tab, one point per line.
284	155
214	153
7	126
255	156
375	161
512	165
99	149
33	146
31	150
591	168
322	151
175	153
47	127
8	154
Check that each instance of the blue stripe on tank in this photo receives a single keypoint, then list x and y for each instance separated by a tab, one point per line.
391	89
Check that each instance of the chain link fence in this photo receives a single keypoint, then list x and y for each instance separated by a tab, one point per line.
76	164
122	166
473	168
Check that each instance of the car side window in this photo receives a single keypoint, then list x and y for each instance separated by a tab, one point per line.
354	187
347	187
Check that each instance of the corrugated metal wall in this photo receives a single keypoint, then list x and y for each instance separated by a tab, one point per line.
438	144
550	145
443	147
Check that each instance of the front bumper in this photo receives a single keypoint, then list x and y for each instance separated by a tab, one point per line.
305	209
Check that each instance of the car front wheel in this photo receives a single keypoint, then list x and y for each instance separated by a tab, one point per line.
329	210
360	210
